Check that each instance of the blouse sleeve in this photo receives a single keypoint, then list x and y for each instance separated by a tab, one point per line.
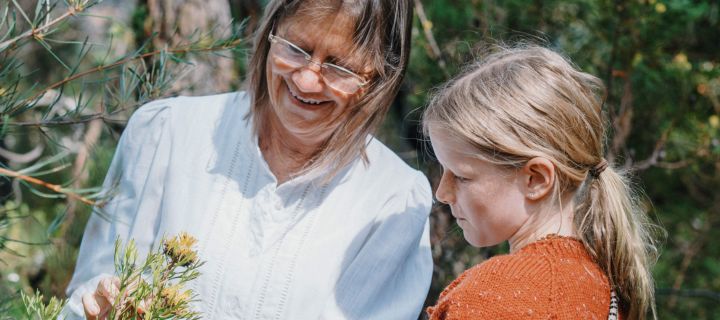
134	185
390	277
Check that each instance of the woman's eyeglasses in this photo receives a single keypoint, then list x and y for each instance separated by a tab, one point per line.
336	77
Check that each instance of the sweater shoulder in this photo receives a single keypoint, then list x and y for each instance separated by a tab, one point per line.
527	285
558	273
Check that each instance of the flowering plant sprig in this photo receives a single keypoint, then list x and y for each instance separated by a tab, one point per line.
153	289
156	288
36	309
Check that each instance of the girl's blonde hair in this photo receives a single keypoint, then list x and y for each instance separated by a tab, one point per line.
528	101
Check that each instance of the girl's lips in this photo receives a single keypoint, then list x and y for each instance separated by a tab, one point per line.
461	222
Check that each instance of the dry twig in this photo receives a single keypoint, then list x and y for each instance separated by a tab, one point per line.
427	29
38	32
53	187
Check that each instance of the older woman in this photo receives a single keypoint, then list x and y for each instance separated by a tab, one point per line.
299	211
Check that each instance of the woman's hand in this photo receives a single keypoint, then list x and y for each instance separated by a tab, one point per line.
98	304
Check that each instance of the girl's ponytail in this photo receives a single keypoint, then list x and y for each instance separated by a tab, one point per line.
616	232
528	102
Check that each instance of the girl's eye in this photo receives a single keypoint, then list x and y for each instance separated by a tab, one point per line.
460	179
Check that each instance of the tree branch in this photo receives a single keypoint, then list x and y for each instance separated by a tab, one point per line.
652	160
187	49
37	32
92	135
622	121
22	158
53	187
105	117
690	252
427	29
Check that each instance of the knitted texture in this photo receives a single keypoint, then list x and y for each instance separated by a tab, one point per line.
553	278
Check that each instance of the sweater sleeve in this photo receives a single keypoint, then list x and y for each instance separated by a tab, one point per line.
390	276
134	186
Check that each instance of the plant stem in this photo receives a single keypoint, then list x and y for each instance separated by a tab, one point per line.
53	187
37	31
95	116
430	37
121	62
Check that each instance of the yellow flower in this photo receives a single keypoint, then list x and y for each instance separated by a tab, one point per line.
680	58
714	121
427	25
637	58
180	249
660	8
681	62
176	299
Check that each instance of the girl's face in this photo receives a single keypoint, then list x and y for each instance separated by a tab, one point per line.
488	201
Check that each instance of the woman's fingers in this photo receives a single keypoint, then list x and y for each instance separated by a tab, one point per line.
92	308
109	288
97	304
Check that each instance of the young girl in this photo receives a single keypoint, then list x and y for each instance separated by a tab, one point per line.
520	137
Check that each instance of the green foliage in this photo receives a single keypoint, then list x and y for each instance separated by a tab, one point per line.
156	285
64	98
660	63
37	309
151	289
659	60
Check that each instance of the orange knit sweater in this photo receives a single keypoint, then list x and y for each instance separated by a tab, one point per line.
553	278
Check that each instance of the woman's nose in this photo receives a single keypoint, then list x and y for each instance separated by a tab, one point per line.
444	192
307	79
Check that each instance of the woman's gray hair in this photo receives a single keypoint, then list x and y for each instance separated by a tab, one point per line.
381	35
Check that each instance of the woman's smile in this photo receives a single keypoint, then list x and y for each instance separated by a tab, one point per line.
305	107
306	102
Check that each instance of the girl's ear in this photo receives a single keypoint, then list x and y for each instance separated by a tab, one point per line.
539	178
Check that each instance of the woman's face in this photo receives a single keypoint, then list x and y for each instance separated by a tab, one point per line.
488	201
303	105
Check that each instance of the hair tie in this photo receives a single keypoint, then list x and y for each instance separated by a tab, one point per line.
598	168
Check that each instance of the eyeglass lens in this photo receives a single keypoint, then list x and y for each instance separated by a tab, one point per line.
336	77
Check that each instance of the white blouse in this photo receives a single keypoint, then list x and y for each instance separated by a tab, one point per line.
355	248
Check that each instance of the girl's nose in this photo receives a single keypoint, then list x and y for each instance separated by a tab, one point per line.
444	192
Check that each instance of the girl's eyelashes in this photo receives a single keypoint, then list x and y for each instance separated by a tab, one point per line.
455	176
460	179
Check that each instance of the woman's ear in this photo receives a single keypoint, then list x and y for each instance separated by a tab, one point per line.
539	178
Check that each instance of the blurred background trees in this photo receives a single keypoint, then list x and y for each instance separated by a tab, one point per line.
67	91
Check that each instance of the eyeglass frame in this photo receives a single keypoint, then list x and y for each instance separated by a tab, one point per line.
361	81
